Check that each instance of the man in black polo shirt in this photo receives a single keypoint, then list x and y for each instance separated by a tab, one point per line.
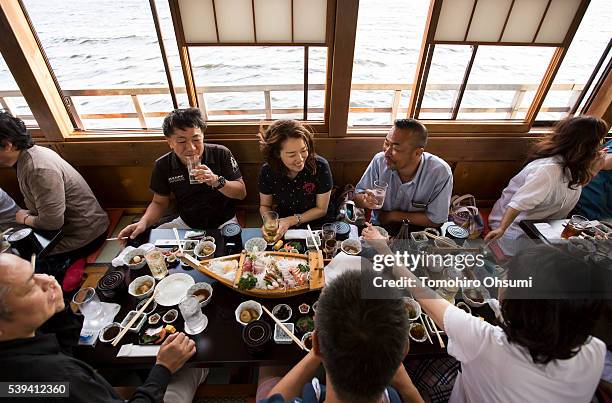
209	203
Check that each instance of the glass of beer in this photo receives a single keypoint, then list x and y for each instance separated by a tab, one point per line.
270	226
157	263
328	232
574	226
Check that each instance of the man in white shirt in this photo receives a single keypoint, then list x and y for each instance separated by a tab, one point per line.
542	352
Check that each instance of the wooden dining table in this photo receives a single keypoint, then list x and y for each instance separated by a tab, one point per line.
221	344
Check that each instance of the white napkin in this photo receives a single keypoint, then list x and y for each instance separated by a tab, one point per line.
547	230
298	234
354	234
132	350
339	264
118	261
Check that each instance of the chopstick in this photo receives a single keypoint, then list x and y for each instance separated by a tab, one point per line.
441	239
117	238
131	322
425	327
436	331
282	326
178	239
313	238
6	231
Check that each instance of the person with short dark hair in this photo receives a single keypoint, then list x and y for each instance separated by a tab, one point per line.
361	344
294	181
420	184
207	201
56	197
543	350
549	185
28	300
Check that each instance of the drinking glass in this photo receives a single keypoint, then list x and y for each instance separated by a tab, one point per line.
88	303
270	229
328	231
575	226
195	320
380	191
192	164
157	263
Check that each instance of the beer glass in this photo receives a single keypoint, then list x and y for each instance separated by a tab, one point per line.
270	226
157	263
574	226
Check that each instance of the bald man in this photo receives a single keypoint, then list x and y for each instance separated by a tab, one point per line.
29	299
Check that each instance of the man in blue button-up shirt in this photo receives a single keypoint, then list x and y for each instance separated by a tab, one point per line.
420	184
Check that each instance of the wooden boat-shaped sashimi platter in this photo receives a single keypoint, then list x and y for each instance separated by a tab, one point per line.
266	274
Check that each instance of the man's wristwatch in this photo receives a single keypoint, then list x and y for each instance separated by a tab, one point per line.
221	181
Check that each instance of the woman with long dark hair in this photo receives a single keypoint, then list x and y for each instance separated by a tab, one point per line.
294	181
549	186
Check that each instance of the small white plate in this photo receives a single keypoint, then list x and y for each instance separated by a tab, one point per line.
173	289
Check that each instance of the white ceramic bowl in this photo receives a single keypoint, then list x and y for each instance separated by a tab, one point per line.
137	282
351	243
260	243
128	257
276	309
250	304
105	328
415	305
416	324
201	286
304	337
198	251
468	295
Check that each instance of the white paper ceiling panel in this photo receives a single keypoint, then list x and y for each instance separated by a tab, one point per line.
309	20
488	20
524	20
453	20
273	20
198	20
557	21
235	20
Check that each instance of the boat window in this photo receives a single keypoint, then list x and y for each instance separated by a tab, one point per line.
10	96
387	43
588	46
503	82
107	60
259	83
445	78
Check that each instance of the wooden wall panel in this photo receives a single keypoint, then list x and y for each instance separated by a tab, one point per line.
485	180
119	171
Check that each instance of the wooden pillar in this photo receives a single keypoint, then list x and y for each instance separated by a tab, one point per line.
342	65
601	105
26	62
